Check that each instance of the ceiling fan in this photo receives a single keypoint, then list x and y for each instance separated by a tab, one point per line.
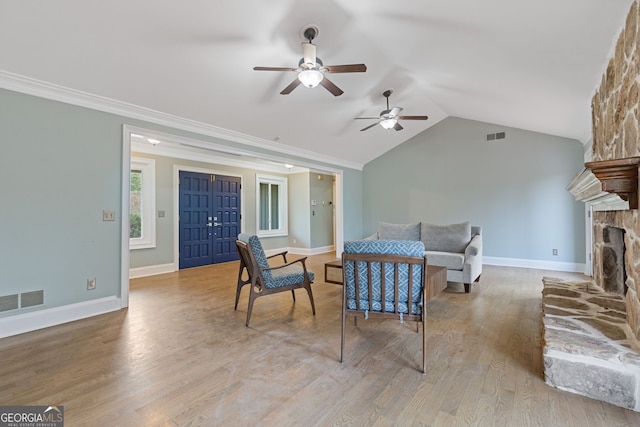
388	118
311	69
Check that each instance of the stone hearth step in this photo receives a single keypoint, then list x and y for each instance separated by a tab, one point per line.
588	347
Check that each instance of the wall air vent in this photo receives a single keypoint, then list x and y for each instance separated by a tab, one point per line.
29	299
8	302
497	135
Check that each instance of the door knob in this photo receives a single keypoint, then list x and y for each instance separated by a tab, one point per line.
209	224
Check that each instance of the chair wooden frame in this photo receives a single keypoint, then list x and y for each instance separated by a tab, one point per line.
396	260
258	283
243	269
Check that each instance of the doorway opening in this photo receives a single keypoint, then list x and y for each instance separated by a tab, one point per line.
211	153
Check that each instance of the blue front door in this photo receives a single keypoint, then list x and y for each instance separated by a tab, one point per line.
209	218
226	217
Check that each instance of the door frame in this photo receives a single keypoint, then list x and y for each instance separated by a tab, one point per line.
128	130
176	203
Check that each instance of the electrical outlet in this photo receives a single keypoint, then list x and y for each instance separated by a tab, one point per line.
91	283
108	215
555	252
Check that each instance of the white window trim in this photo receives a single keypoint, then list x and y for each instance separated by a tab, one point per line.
283	208
148	198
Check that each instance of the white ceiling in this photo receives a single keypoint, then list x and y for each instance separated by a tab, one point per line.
519	63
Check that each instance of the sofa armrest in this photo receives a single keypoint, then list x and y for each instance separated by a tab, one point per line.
472	268
474	248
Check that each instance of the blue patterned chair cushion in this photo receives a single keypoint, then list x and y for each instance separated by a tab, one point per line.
388	247
258	253
289	275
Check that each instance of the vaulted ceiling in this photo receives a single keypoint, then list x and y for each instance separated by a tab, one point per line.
532	65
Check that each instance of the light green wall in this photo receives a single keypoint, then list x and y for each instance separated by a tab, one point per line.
60	167
514	188
299	211
353	205
321	190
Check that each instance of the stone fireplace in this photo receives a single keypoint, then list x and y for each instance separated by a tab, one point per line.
614	275
592	329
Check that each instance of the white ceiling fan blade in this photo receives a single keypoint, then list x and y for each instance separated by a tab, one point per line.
309	54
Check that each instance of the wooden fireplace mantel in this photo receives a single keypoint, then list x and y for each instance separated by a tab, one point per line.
618	177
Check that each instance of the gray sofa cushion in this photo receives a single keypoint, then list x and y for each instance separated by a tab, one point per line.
445	238
388	231
450	260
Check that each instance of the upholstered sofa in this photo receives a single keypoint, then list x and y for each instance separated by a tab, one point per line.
458	247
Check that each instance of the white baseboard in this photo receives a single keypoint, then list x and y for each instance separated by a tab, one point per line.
537	264
33	320
312	251
301	251
151	270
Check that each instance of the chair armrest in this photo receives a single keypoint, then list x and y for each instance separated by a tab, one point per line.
302	260
284	255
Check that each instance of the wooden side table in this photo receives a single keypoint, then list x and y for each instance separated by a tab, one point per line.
333	272
436	281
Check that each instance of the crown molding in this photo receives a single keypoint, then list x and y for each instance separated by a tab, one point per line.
42	89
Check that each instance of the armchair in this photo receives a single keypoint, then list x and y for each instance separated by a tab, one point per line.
384	279
267	280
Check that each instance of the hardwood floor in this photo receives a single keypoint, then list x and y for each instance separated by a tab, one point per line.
180	355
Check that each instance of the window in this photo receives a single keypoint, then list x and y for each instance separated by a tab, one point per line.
271	202
142	204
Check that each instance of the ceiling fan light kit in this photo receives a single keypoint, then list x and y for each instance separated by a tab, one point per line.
388	123
310	78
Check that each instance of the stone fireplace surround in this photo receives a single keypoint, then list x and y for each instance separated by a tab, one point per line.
591	336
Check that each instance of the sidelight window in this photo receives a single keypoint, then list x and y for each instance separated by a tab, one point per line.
142	204
271	202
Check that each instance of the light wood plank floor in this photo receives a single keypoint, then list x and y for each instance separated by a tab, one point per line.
180	355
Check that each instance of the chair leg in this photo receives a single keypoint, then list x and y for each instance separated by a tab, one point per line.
294	295
344	319
313	306
252	297
238	295
241	283
424	348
